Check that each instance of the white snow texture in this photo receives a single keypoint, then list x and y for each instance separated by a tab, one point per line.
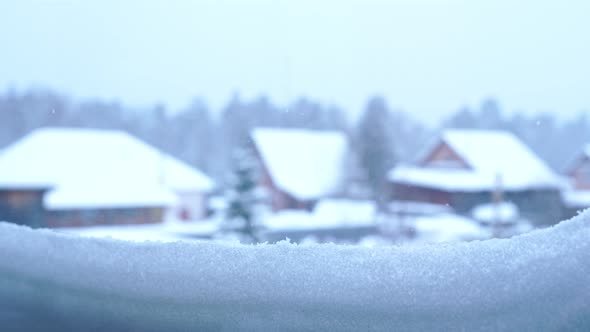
535	282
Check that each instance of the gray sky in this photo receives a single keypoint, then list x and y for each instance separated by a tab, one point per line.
426	57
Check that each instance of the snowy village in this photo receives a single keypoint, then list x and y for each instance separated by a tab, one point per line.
294	165
296	184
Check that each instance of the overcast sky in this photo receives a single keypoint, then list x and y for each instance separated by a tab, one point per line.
426	57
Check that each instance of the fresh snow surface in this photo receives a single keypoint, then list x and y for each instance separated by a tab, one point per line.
535	282
487	153
374	241
307	164
136	233
165	232
70	159
504	212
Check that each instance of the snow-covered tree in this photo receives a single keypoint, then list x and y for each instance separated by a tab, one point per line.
242	197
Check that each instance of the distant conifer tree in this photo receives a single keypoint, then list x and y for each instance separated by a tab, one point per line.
243	197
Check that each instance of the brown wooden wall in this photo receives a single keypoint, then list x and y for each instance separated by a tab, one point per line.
404	192
24	207
95	217
279	200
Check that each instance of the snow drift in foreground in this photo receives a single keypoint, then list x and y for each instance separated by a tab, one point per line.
537	281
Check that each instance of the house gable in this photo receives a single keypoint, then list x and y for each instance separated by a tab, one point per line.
443	156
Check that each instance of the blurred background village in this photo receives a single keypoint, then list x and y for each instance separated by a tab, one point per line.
358	122
255	171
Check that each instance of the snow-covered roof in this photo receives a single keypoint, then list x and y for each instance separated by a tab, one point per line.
305	163
536	282
69	159
441	178
487	153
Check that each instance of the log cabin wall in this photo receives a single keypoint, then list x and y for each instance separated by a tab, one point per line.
23	207
98	217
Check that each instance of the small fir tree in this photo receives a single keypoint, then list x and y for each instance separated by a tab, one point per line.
242	197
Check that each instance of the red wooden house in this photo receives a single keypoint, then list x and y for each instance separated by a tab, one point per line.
465	168
57	177
300	166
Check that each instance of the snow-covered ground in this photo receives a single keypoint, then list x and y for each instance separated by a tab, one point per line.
446	228
337	221
535	282
328	213
502	212
165	232
341	221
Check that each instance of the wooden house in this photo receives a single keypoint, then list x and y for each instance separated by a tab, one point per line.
22	204
57	177
467	168
300	166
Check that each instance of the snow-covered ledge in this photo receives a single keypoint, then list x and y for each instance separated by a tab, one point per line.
538	281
